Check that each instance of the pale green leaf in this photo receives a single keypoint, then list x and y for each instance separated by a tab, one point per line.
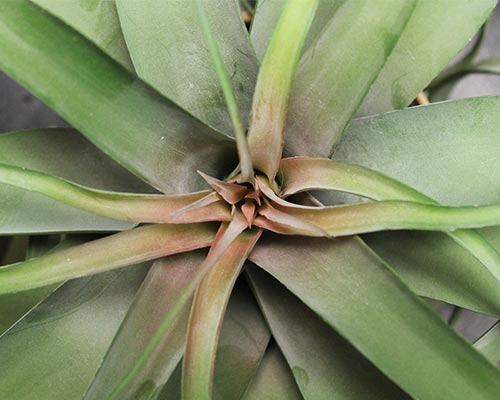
489	344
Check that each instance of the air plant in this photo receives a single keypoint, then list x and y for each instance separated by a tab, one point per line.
260	159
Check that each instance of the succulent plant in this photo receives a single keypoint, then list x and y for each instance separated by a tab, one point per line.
232	173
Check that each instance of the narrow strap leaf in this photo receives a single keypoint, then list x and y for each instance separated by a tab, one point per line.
121	206
270	101
227	233
301	173
227	90
115	251
207	313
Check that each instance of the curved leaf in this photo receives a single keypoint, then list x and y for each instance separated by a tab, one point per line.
97	21
336	72
118	205
354	292
324	365
81	319
68	155
172	55
207	313
115	251
115	110
414	61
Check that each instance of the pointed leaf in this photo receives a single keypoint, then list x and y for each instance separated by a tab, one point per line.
324	365
165	280
68	155
97	21
274	379
414	61
336	72
115	251
68	334
354	292
270	101
173	57
116	111
207	313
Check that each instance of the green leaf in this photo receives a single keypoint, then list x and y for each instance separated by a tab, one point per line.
207	314
118	205
324	365
435	33
448	151
301	173
172	55
274	380
242	343
97	20
336	72
80	319
433	139
165	281
489	344
354	292
68	155
270	101
116	111
267	15
115	251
